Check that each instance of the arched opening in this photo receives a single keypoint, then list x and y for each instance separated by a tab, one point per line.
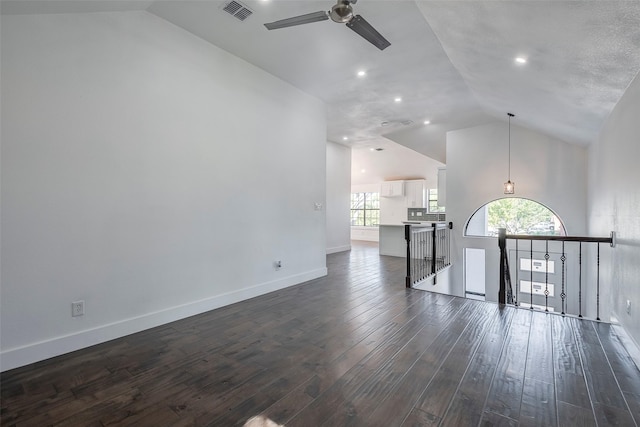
517	215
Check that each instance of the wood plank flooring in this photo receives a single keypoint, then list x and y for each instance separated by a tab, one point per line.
352	349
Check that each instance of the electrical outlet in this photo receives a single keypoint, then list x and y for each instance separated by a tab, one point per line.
77	308
628	306
277	265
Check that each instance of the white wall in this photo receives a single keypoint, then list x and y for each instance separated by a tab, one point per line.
614	204
149	174
338	198
544	169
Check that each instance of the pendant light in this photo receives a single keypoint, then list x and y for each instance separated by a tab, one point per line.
509	187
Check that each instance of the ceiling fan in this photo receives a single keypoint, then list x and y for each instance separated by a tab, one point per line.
342	13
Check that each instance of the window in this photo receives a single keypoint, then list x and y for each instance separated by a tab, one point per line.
517	215
365	209
433	201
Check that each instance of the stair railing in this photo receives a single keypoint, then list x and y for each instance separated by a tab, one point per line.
538	268
428	251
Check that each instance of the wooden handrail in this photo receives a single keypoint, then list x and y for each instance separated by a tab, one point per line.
611	239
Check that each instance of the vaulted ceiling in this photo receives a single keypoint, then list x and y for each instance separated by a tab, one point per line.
451	62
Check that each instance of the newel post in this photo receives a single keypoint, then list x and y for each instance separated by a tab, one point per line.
502	243
434	249
407	237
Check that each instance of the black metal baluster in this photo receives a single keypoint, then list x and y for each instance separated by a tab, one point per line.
407	237
449	243
434	249
531	275
427	254
420	255
515	296
441	250
424	253
415	261
563	295
417	257
580	282
598	285
443	246
546	277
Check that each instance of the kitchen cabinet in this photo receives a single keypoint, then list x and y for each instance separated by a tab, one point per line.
414	192
442	187
392	189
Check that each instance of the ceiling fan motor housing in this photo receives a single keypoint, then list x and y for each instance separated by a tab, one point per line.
341	12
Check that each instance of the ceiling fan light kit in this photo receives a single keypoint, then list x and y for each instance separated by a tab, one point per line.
342	13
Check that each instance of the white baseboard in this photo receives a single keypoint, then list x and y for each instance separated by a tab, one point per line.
365	238
337	249
628	342
21	356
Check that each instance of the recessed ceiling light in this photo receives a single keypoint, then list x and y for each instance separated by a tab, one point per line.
362	73
521	60
385	123
379	149
344	138
398	99
363	170
426	122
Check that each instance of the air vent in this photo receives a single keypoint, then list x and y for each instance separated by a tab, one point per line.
396	122
238	10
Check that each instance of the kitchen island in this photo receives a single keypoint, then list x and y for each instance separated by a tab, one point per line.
391	240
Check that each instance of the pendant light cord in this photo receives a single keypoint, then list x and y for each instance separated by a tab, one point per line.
509	174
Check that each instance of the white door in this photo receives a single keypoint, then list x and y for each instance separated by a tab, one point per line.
474	264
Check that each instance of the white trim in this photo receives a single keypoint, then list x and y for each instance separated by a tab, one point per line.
370	234
338	249
21	356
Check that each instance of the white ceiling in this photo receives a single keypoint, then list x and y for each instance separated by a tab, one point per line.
394	162
452	62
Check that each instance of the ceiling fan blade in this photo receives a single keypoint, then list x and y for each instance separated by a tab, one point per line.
362	27
298	20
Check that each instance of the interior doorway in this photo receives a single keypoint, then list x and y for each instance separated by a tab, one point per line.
474	273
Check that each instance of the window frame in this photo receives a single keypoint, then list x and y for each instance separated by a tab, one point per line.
368	199
561	229
436	209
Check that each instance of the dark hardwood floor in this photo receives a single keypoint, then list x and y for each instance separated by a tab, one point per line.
352	349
